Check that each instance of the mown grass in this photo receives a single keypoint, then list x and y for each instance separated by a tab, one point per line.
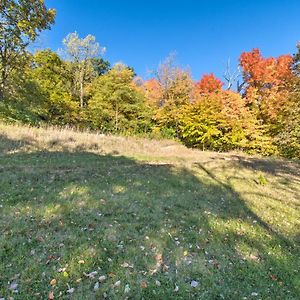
149	216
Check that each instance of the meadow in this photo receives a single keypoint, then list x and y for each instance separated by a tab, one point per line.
91	216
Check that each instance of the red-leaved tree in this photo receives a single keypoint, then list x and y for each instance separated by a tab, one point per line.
267	82
208	84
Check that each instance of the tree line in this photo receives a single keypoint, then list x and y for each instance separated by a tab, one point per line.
257	111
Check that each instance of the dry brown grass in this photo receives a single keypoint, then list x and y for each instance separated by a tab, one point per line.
68	139
31	139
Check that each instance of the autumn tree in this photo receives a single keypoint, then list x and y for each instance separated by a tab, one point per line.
208	84
175	87
288	128
20	23
81	53
266	83
217	121
153	92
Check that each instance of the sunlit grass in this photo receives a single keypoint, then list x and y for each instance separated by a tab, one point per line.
145	221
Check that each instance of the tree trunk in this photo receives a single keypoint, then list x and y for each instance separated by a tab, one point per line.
4	68
3	81
1	92
81	94
176	124
116	117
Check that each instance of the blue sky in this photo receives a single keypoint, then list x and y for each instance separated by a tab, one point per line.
204	34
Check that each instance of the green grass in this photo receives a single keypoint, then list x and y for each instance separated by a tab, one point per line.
152	222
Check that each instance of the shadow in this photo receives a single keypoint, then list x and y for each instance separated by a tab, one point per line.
269	165
241	210
7	144
66	214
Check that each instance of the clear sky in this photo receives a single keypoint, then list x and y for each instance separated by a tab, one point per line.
204	34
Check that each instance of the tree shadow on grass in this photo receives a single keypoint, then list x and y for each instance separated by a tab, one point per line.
269	165
134	222
7	144
243	212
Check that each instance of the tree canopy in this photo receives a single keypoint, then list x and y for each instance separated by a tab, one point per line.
79	87
20	23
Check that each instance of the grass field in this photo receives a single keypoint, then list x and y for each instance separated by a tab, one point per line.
86	216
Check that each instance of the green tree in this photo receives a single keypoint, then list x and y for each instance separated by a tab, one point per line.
26	100
81	52
20	23
51	74
116	105
100	65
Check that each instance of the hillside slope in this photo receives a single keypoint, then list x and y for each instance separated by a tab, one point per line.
152	219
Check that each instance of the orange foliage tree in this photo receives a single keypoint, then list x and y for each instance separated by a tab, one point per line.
266	83
153	92
208	84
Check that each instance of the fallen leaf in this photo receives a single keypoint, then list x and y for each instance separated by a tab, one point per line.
53	282
102	278
127	289
159	258
91	226
81	261
253	257
40	239
194	283
13	286
165	268
126	265
61	270
51	257
273	277
65	274
90	275
71	290
117	284
144	285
